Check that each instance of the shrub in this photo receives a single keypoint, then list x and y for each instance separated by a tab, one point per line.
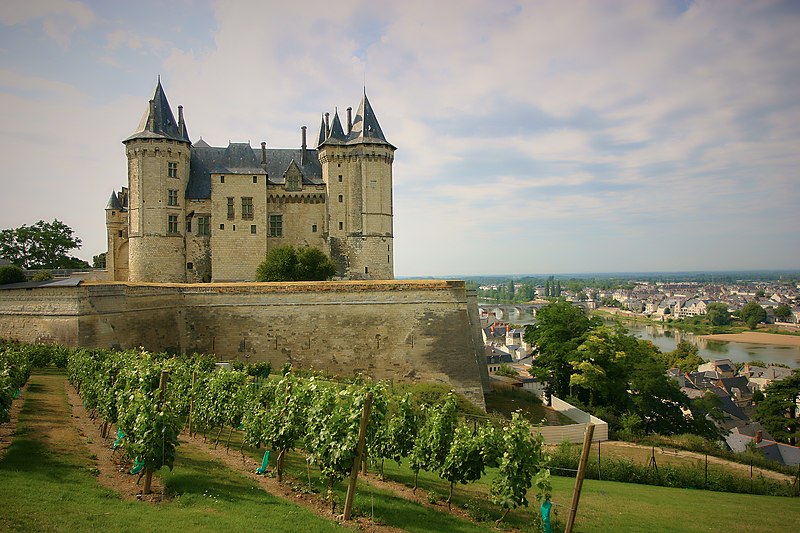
11	274
42	275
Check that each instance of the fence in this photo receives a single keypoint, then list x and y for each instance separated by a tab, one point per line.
573	432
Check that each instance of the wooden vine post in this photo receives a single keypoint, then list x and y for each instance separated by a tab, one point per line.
362	430
576	493
191	401
162	393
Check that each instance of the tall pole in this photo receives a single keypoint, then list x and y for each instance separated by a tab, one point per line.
362	430
576	493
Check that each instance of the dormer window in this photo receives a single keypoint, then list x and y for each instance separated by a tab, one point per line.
293	183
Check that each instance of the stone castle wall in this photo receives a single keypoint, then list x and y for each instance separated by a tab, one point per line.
414	331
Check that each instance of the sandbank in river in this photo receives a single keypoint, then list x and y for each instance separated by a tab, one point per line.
756	338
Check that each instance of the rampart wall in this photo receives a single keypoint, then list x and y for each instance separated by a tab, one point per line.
414	331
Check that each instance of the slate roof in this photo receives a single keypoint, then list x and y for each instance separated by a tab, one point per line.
365	128
738	382
163	124
241	158
113	202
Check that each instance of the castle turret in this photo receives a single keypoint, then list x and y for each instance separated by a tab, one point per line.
357	169
117	236
158	172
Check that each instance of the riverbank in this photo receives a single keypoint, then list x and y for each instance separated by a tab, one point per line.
754	337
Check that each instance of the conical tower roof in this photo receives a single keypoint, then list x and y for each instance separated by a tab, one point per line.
158	122
365	124
113	203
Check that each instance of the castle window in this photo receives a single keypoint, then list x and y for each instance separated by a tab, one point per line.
222	179
172	197
340	177
203	226
313	228
276	225
172	170
341	198
293	183
231	212
120	233
253	229
189	266
366	270
234	227
222	226
188	225
172	224
341	225
247	208
255	179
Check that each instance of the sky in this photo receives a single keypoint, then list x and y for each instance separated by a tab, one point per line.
534	137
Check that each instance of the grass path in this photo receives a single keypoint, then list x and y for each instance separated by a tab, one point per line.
49	484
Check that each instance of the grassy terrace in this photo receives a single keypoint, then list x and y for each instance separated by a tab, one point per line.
49	483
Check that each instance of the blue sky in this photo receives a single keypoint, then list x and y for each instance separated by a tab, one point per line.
533	137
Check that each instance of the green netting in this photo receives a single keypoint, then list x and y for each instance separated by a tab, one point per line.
138	465
546	526
16	393
264	464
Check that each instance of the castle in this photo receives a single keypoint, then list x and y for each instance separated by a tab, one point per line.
197	213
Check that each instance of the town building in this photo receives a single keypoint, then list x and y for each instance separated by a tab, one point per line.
192	212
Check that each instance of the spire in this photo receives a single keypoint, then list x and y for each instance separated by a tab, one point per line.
365	124
322	132
336	128
113	203
159	122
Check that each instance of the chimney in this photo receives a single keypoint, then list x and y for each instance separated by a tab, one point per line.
349	120
181	129
303	147
264	155
151	120
327	125
759	436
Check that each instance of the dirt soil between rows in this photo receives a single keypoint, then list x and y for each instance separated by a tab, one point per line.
9	429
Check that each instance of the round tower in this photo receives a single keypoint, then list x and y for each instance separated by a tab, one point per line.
158	172
357	168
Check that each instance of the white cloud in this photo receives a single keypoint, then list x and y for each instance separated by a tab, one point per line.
60	18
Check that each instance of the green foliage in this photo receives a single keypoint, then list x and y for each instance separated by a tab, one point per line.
435	437
507	370
685	356
464	462
522	459
752	314
99	261
717	314
42	245
11	274
783	312
777	412
287	263
42	275
556	335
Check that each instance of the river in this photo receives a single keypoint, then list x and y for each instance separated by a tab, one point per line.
667	339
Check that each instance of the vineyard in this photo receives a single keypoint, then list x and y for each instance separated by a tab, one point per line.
147	403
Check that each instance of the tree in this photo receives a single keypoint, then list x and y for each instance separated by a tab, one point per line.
684	356
99	261
286	263
783	312
556	335
717	314
752	313
43	245
777	412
